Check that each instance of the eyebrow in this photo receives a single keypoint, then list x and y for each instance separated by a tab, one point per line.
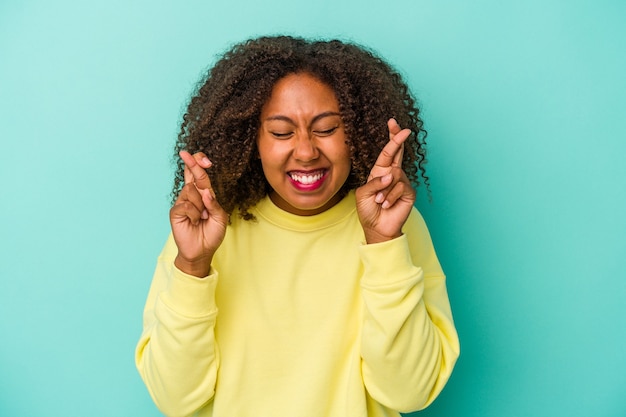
315	119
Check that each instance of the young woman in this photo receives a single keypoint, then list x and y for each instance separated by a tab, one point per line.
298	280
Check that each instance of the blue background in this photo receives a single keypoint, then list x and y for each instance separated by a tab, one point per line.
525	103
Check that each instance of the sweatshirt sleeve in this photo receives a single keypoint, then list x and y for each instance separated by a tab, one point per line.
409	344
177	356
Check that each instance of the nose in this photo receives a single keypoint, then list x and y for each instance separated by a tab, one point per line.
305	148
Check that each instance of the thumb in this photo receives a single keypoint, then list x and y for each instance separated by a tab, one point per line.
213	207
380	183
375	187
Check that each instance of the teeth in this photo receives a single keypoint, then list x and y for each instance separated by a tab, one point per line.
306	179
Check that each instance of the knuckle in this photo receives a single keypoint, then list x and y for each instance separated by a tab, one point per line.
186	206
201	175
386	153
397	172
190	190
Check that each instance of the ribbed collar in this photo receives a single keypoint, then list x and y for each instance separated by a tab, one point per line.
267	210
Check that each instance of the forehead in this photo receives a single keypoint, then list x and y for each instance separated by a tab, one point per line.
300	93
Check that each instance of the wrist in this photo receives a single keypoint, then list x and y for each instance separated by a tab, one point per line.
372	237
199	268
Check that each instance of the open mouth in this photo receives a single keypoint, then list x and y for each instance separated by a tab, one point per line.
307	179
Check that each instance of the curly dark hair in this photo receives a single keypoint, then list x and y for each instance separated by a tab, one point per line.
223	116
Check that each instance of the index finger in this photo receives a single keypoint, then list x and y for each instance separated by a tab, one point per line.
194	172
392	152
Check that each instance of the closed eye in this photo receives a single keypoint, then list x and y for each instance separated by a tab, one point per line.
326	132
281	135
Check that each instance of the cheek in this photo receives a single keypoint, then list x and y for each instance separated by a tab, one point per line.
267	152
344	157
273	158
345	160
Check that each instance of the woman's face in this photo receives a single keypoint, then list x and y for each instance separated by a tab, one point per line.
302	145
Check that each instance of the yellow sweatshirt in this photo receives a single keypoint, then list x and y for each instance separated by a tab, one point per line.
300	318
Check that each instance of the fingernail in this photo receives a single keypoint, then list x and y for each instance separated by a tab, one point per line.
206	162
205	214
379	198
386	204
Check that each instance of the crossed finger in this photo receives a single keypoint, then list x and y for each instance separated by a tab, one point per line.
392	153
195	166
394	129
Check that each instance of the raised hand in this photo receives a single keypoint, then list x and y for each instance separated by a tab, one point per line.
198	221
385	201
